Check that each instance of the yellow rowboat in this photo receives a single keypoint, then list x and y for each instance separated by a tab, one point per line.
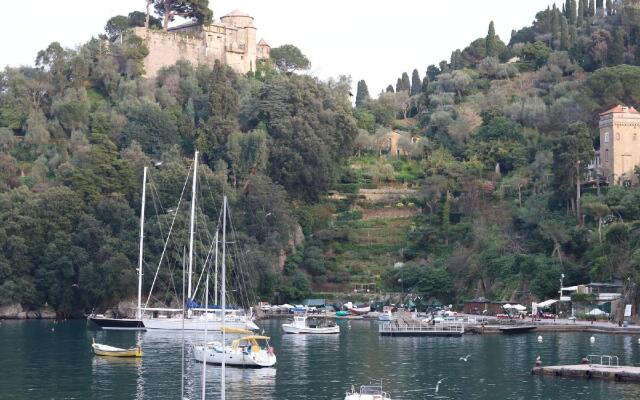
104	350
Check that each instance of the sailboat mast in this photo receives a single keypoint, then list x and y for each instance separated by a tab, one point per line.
191	224
144	192
215	273
223	295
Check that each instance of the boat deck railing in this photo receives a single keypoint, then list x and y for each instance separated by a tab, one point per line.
421	328
603	360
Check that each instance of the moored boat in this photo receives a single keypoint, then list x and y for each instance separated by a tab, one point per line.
367	392
386	316
104	350
306	325
243	352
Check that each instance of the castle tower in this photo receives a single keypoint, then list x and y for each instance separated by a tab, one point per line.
620	144
264	50
243	54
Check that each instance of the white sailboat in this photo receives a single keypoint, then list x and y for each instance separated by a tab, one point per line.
302	324
196	318
246	351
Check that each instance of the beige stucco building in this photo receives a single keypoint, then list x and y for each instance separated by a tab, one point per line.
232	41
619	144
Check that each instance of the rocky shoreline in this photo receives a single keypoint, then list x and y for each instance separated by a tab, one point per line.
17	311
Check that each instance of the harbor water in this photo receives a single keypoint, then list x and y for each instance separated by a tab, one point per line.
43	360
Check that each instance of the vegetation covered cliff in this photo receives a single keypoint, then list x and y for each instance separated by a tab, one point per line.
479	195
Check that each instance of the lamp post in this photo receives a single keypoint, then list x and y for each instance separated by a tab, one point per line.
561	285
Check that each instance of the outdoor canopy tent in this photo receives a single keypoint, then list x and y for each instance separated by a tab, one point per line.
544	304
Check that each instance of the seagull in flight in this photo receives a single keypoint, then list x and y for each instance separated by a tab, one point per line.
466	358
438	384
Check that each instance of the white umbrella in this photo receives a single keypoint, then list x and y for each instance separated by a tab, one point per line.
520	307
507	306
596	311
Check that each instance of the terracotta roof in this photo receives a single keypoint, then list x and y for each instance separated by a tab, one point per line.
237	13
262	42
620	109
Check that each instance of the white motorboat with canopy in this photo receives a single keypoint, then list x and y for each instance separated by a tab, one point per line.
310	325
367	392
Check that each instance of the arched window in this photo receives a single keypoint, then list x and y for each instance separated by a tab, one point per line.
606	155
606	137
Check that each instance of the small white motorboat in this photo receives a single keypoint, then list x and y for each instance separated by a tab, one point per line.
367	392
306	325
243	352
386	316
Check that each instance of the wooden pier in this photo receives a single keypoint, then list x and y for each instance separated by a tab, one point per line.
606	369
442	329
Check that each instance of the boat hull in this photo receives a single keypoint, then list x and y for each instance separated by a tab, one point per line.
235	358
289	328
117	323
108	351
176	324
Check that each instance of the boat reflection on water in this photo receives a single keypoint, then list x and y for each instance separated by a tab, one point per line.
242	383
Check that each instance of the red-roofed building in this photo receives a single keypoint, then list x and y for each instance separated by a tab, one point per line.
619	144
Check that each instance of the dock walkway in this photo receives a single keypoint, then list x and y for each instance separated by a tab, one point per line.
604	367
441	329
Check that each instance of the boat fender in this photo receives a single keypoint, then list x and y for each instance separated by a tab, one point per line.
271	351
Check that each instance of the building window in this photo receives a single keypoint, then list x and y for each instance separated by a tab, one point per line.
606	137
606	155
617	135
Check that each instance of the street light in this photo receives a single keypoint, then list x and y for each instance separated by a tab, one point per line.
561	285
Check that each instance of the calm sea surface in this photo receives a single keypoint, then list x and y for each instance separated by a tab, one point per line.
36	363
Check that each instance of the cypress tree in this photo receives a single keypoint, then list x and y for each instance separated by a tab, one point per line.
609	8
573	35
425	84
580	17
564	34
362	94
491	41
571	11
416	83
555	26
389	89
600	8
399	86
616	51
406	83
592	9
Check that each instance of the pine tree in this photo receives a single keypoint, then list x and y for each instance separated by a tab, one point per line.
564	34
389	89
362	94
399	86
491	41
406	83
609	8
416	83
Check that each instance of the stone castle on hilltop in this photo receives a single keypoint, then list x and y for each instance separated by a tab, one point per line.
231	41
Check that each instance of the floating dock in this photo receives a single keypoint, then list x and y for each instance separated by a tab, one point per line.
392	329
607	368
